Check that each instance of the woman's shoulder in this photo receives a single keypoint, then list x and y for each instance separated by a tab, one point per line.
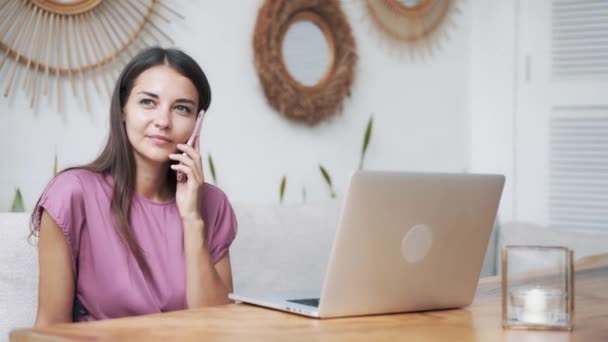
79	172
76	180
220	219
65	195
214	199
213	193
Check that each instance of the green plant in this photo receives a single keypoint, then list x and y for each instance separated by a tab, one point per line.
327	178
282	188
366	139
55	165
17	206
212	168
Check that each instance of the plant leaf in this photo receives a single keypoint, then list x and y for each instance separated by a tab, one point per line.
366	139
282	188
325	175
17	206
327	180
55	165
212	168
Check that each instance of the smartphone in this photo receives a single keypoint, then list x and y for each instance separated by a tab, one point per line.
181	177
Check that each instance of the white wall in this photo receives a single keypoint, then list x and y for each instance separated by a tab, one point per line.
421	109
492	92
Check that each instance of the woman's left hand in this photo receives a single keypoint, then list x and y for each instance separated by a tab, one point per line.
187	193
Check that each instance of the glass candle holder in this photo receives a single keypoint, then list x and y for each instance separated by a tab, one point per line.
537	288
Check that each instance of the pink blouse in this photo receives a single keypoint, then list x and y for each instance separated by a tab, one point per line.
109	282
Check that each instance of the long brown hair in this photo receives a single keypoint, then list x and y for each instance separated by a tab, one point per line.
117	157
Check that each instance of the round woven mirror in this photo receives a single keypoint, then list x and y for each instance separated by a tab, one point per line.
305	57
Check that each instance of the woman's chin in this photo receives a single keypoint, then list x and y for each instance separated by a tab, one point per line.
155	154
159	157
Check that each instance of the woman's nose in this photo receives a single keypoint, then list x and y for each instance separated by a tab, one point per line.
163	118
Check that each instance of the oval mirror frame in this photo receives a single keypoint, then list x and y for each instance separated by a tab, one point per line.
300	103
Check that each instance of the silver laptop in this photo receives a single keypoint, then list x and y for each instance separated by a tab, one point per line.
404	242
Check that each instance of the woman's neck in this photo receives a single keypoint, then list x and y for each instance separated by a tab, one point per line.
151	180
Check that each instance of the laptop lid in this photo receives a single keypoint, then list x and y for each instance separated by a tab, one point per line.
409	242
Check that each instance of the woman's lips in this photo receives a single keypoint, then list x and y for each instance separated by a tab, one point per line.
160	140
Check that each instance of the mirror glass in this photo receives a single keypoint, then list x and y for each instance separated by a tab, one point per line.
410	3
306	52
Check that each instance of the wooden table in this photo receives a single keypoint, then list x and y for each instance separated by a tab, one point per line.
239	322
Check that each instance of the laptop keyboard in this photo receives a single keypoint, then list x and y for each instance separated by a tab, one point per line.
310	302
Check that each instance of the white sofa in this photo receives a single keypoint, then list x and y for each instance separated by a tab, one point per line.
281	246
18	274
287	246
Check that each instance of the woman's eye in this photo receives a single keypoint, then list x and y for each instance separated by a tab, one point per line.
146	102
181	108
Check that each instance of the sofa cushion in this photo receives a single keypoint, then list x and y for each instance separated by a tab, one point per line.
282	246
18	274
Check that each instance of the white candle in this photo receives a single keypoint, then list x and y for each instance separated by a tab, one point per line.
538	305
534	308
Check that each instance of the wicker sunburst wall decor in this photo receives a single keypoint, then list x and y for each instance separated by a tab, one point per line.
411	22
81	40
299	102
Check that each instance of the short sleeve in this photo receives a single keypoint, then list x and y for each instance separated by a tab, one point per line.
223	231
63	200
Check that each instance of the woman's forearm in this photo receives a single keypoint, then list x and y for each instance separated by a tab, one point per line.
204	287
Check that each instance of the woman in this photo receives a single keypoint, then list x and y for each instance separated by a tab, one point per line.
121	236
